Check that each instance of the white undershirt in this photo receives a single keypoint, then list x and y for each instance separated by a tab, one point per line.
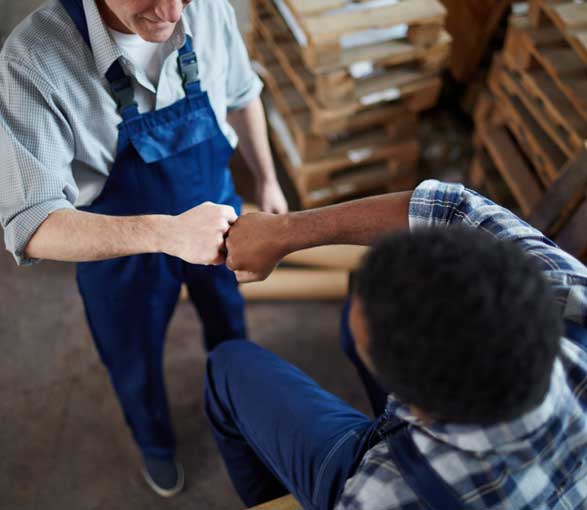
147	57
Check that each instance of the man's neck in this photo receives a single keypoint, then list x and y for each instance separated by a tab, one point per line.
111	19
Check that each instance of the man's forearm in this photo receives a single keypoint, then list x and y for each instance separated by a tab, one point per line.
259	241
357	222
196	236
76	236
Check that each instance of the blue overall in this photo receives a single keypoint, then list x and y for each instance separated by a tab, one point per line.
279	432
168	161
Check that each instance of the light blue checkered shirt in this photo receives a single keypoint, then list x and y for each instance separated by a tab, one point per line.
58	121
537	462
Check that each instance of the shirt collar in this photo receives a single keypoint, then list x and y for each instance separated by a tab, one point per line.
480	439
106	51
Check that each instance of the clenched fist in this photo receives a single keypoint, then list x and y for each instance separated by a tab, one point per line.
197	235
255	244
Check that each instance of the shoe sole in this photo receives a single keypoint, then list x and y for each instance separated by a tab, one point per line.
165	493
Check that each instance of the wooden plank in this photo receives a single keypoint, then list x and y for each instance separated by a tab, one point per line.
297	284
345	257
328	26
310	7
512	167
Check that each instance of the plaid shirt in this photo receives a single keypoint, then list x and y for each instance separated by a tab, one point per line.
538	461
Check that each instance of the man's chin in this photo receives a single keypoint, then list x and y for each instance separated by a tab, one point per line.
156	35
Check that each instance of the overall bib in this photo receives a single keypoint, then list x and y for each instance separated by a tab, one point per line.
168	161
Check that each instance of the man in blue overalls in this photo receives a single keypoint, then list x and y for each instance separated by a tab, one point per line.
114	126
467	319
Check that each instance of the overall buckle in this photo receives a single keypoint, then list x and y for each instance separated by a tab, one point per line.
188	65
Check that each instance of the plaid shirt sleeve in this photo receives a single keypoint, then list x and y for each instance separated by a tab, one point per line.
442	204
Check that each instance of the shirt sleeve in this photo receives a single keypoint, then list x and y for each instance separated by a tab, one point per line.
37	148
242	83
435	203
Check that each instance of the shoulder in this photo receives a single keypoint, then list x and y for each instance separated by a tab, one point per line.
45	42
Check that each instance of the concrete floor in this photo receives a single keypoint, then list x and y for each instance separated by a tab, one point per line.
63	441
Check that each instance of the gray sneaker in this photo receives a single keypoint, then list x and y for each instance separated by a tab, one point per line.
164	476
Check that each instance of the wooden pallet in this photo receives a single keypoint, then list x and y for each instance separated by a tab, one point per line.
497	150
528	49
291	115
292	105
335	178
404	86
326	29
339	86
526	121
569	17
376	55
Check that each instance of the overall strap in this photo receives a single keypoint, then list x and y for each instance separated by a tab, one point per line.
75	9
576	333
120	83
417	472
188	68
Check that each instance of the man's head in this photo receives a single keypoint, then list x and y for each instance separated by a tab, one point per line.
153	20
457	324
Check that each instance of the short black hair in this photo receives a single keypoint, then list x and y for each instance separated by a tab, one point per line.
462	325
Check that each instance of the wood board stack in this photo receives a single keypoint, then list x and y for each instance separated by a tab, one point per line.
345	81
531	130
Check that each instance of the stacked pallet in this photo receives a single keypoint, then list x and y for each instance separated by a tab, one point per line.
531	130
344	84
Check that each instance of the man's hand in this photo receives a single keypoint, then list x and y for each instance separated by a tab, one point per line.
197	235
270	198
254	246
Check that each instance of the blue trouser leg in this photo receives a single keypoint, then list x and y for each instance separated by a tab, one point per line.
377	395
214	292
128	315
278	430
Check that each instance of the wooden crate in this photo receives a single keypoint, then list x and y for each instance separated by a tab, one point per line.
326	30
372	101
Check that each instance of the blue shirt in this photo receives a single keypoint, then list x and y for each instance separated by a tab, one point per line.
58	119
536	462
